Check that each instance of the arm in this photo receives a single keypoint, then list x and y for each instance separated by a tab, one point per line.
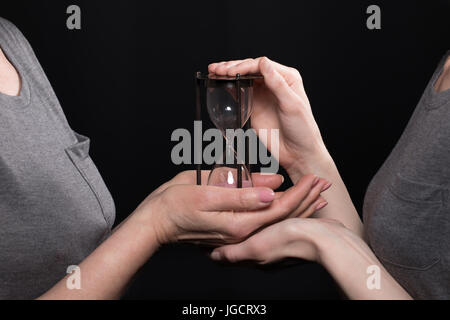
107	271
280	102
345	255
180	210
349	260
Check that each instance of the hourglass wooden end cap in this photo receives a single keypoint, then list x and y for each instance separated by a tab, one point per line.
213	80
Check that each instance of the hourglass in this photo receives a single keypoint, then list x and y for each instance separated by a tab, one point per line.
229	104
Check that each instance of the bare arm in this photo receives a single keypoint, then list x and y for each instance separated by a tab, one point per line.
354	266
345	255
107	271
180	210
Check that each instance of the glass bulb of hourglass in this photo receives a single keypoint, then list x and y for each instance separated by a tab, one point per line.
223	108
227	176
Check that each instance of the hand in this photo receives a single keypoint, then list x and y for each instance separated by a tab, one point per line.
212	215
291	238
272	181
280	102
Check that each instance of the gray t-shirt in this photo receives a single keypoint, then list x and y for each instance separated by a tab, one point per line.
54	206
407	205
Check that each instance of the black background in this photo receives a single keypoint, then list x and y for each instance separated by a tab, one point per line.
126	80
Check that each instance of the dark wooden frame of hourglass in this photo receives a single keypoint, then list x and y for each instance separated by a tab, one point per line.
204	81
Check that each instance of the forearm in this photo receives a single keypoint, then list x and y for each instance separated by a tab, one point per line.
352	264
340	206
106	272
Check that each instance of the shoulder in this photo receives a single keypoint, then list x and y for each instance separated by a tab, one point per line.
11	35
13	38
9	30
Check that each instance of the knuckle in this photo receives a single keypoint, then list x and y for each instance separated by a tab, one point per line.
221	68
229	255
238	231
296	73
291	229
263	61
256	249
244	199
232	71
278	82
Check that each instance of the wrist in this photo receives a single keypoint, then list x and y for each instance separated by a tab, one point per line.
307	239
318	162
331	243
152	217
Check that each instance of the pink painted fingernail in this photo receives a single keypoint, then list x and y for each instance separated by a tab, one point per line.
315	181
326	187
321	205
266	195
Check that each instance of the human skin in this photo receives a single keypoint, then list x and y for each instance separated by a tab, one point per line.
9	78
333	236
280	102
443	82
179	210
345	255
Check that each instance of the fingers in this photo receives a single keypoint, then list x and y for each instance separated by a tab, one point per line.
286	96
301	200
311	202
255	66
283	205
235	252
272	181
231	199
278	78
248	66
221	68
315	206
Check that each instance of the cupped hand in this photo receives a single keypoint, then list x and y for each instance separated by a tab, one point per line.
290	238
180	210
279	102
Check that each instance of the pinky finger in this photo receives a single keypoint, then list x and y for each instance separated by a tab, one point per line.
316	206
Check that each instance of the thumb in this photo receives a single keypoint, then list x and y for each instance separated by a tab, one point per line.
234	252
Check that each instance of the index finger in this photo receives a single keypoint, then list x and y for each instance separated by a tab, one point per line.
282	206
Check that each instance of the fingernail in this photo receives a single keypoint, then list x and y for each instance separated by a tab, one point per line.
215	255
282	179
266	195
315	181
326	187
321	205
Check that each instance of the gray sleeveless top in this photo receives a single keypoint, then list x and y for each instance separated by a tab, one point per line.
54	206
407	205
